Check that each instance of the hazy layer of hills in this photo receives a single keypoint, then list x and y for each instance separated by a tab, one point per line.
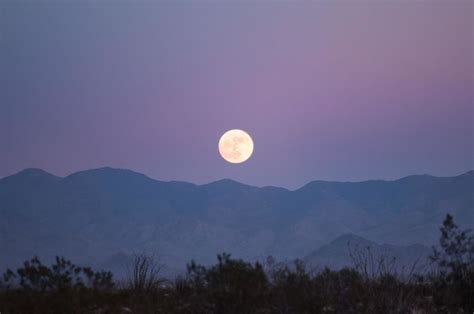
101	216
352	250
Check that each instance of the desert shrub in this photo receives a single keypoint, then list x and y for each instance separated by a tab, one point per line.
340	291
62	275
292	289
370	266
231	285
61	288
144	275
453	279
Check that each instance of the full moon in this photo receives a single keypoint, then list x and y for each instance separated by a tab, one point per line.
236	146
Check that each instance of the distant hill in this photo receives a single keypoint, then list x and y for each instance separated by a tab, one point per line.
348	249
96	215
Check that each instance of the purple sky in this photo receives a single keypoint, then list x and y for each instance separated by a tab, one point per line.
328	90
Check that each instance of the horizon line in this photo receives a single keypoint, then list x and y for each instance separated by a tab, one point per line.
227	179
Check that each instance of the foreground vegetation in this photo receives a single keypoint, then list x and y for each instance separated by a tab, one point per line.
234	286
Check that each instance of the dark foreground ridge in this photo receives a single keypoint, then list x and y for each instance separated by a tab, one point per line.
233	286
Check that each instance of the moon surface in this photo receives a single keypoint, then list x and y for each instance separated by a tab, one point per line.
235	146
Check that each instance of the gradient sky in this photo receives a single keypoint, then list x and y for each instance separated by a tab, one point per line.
328	90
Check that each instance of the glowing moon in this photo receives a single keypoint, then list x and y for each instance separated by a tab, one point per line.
236	146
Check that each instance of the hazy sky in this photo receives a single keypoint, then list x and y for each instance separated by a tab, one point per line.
329	90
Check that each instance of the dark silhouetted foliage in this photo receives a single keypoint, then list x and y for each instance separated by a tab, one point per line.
454	277
143	275
235	286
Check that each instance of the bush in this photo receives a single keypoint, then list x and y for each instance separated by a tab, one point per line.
235	286
144	275
454	278
230	286
62	287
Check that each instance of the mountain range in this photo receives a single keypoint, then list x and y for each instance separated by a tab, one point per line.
102	216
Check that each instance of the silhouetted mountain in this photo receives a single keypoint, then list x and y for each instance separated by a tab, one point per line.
93	215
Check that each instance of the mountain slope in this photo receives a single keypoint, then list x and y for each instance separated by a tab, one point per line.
348	250
93	215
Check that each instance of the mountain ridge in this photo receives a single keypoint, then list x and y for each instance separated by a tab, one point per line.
39	171
98	213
